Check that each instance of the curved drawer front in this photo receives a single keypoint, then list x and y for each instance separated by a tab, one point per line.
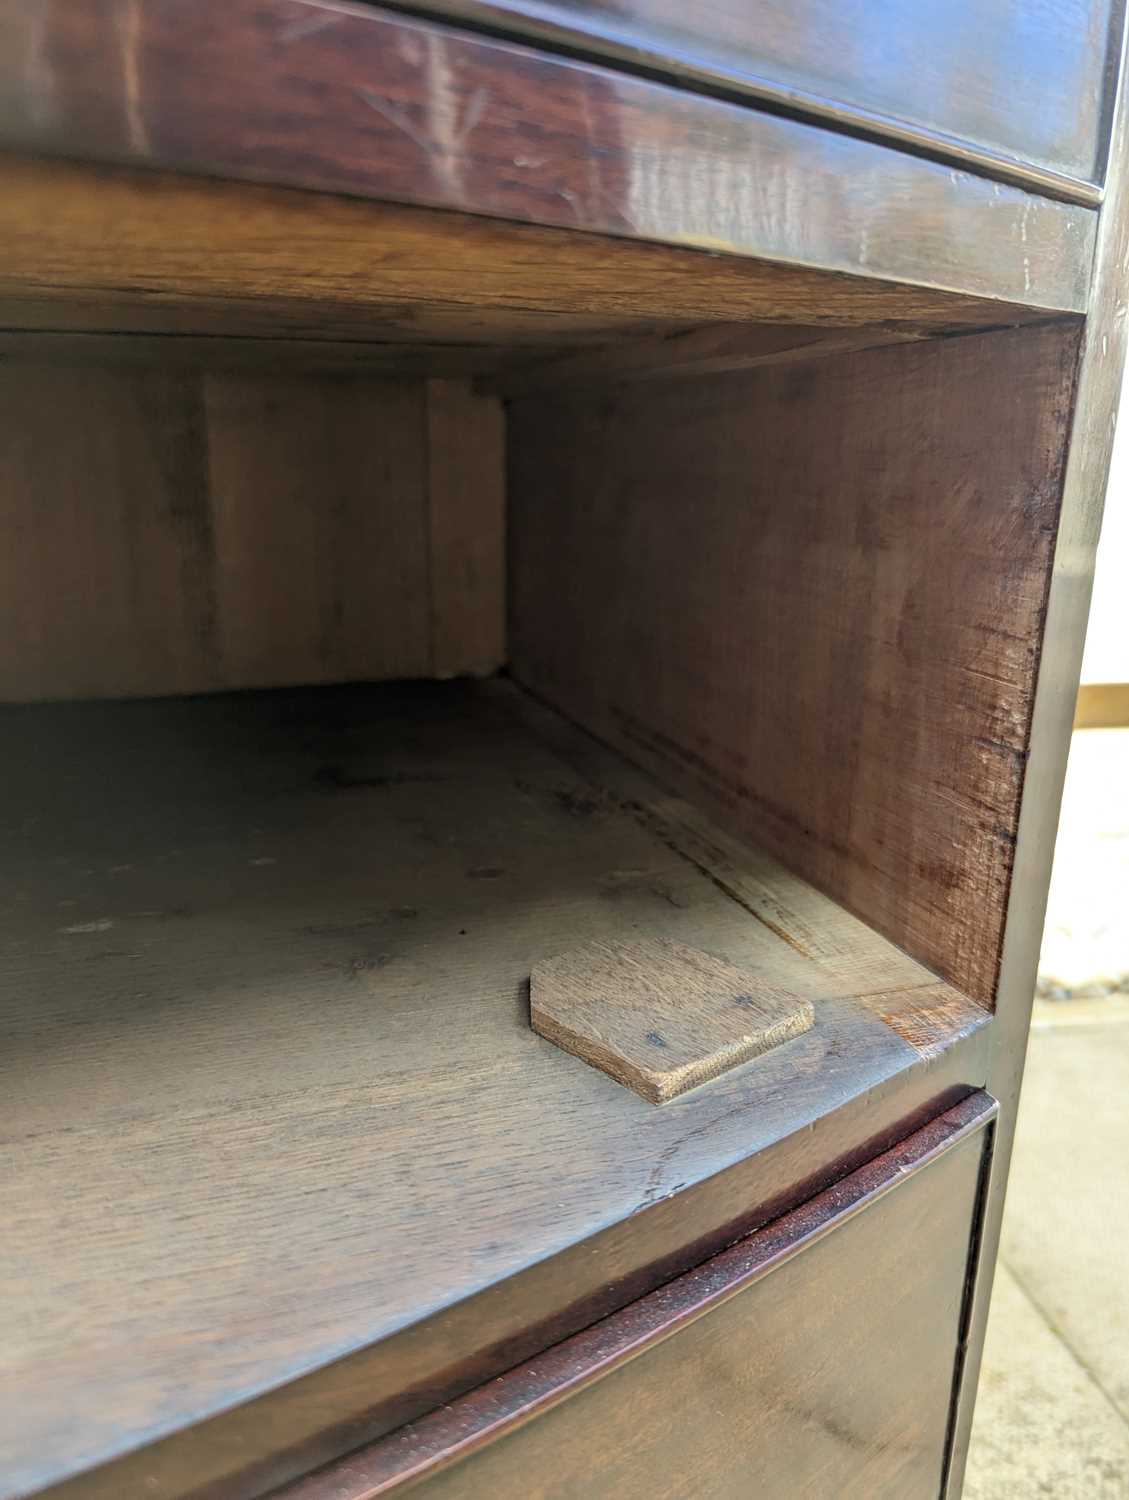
817	1358
990	79
376	104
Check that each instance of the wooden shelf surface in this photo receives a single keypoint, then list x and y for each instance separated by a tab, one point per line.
275	1120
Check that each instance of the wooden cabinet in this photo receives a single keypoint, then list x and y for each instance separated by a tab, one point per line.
474	515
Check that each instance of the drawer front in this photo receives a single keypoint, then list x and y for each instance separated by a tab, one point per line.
1004	78
819	1358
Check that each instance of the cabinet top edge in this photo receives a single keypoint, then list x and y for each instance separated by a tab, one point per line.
347	99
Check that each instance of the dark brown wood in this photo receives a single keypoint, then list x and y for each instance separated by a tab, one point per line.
307	266
262	352
185	531
265	961
1015	90
660	1017
754	1393
813	594
716	349
350	99
1098	394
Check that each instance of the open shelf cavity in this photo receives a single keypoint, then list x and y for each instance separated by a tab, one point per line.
267	1048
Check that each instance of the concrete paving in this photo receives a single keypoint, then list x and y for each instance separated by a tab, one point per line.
1052	1415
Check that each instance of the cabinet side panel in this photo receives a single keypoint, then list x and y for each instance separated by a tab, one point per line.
814	593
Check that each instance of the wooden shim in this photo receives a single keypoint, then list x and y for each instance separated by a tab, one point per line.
660	1017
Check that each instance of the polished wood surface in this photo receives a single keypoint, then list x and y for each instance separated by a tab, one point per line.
184	531
268	1044
902	993
1014	89
350	99
659	1017
303	266
673	1395
814	594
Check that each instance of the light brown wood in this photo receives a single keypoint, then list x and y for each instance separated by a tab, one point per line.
812	594
659	1017
1102	705
184	531
267	1043
896	988
195	256
466	508
318	495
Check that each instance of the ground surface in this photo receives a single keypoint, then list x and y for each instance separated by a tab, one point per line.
1052	1417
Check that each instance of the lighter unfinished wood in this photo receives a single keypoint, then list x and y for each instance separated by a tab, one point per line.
466	510
659	1017
184	530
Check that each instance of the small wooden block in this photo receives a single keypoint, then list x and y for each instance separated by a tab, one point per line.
659	1017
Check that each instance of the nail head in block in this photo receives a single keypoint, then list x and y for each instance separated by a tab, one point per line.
659	1017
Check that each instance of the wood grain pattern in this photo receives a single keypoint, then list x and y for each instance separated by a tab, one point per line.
684	353
318	496
350	99
761	577
273	948
659	1017
466	507
852	958
868	1275
313	265
264	350
1017	91
179	532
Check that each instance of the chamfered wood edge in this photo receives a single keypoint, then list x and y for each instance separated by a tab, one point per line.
135	82
453	1433
910	999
